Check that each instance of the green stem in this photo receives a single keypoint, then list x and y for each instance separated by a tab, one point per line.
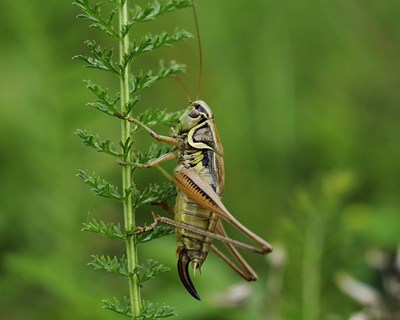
129	214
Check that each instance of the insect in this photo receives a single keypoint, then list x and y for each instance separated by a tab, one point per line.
199	177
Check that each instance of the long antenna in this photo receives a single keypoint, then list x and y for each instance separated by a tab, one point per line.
199	47
184	87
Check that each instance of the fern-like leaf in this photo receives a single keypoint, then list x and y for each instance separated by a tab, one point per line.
109	230
115	265
126	147
123	308
155	193
144	80
154	311
100	186
104	102
155	151
152	42
93	14
102	58
151	270
130	104
149	311
151	117
98	144
152	10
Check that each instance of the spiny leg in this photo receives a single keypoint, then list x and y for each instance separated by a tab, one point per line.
208	234
247	272
230	263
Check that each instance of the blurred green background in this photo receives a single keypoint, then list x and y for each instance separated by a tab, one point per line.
306	97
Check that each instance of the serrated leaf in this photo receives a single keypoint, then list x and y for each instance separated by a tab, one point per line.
155	151
93	14
100	186
155	311
115	305
152	10
151	270
151	42
148	311
104	102
152	117
119	266
97	143
114	264
126	148
155	193
130	104
110	230
102	58
144	80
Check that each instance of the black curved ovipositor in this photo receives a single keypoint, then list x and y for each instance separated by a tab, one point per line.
183	270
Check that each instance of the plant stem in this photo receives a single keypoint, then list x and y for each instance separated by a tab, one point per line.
127	183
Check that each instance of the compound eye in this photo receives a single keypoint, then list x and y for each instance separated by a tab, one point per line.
194	113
